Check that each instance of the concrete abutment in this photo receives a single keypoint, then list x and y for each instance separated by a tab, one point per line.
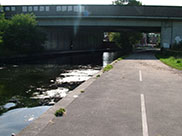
171	32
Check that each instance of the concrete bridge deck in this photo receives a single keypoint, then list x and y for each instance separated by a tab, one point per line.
84	25
140	96
97	11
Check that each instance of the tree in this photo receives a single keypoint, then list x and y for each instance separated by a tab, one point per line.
125	40
3	25
134	3
119	2
23	35
130	3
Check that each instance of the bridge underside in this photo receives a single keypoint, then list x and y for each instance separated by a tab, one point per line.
72	38
84	37
83	25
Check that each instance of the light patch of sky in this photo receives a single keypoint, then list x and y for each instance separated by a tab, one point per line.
31	2
163	2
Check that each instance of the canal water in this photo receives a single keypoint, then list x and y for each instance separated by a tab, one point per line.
28	89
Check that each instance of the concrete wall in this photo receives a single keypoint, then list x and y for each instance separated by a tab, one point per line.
171	32
98	22
166	34
60	38
176	31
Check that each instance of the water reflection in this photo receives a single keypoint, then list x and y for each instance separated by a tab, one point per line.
108	57
15	120
21	81
9	105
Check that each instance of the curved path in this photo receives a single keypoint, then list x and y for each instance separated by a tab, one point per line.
140	96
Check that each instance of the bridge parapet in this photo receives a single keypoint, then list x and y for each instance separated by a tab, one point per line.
163	12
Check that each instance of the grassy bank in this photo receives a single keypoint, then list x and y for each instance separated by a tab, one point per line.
171	59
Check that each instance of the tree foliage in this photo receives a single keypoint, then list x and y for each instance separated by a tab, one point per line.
20	34
125	40
130	3
134	3
23	35
2	25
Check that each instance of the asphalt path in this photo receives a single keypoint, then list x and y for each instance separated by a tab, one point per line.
140	96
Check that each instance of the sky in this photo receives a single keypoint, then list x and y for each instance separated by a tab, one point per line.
39	2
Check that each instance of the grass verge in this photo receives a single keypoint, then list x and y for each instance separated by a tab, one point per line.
171	59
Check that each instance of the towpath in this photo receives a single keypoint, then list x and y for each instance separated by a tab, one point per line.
140	96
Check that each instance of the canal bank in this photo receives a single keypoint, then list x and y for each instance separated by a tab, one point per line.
39	124
22	85
131	99
48	54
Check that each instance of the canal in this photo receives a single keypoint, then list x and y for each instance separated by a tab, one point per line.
28	89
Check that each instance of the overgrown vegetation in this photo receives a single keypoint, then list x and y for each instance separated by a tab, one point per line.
125	40
60	112
173	59
82	91
20	35
107	68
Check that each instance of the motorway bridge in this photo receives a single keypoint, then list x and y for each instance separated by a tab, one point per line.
83	25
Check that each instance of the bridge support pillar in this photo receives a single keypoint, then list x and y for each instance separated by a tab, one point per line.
176	32
166	34
171	33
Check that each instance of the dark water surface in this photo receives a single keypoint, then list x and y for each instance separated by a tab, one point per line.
29	89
